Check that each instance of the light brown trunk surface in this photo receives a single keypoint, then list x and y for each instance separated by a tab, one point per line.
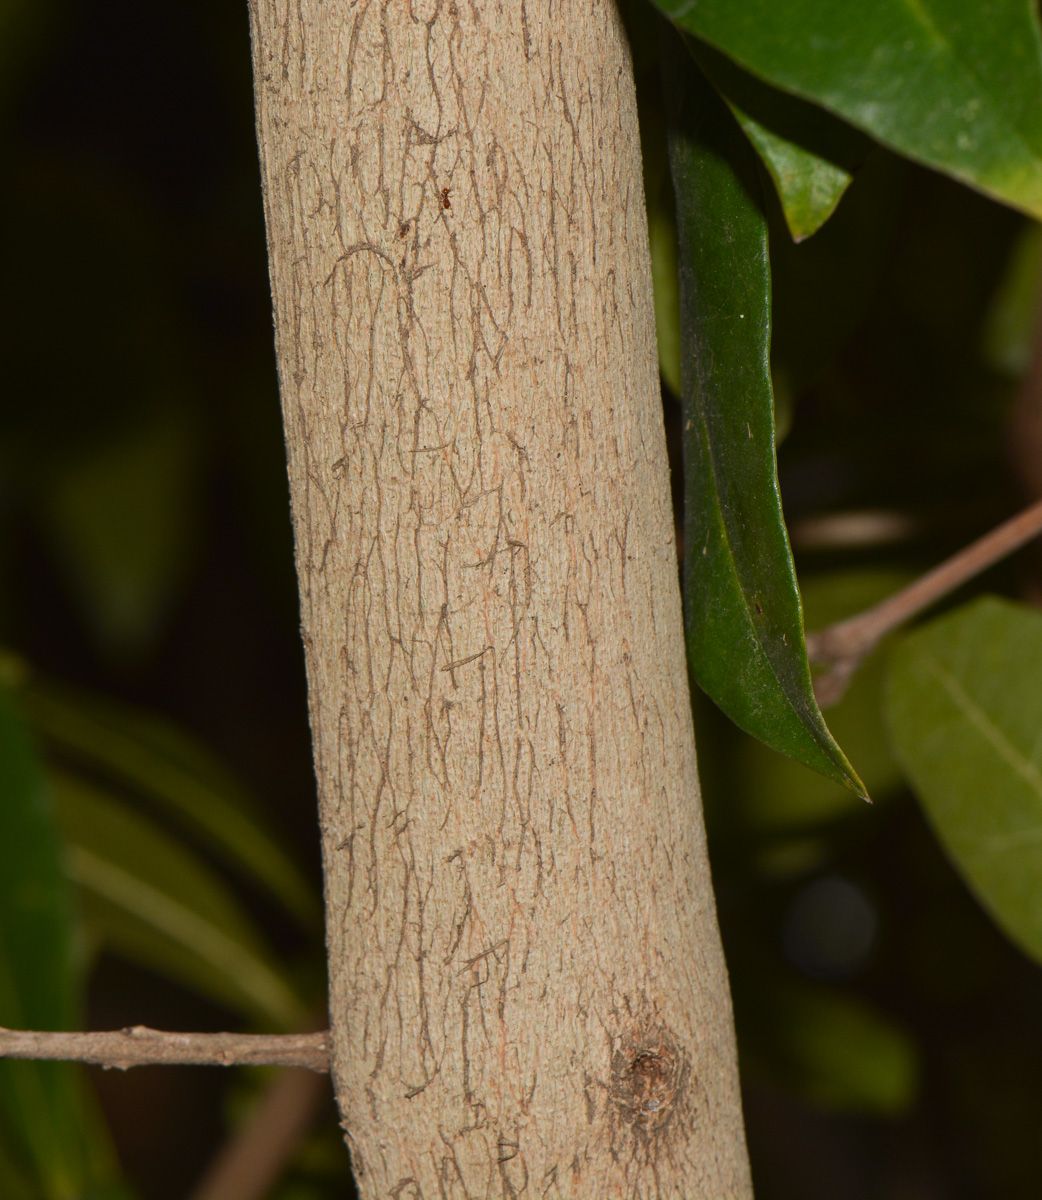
527	993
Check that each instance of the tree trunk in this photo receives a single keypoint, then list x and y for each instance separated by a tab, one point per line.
527	991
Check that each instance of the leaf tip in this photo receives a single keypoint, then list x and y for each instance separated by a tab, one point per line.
856	786
846	775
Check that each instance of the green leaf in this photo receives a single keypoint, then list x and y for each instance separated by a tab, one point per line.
779	796
1011	325
146	896
841	1053
742	606
964	704
48	1130
167	767
122	517
809	187
956	84
35	904
810	155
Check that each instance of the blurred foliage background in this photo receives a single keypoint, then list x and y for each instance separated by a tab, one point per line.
158	849
148	603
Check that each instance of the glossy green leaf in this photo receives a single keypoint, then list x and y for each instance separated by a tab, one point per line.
956	84
48	1131
149	898
742	606
167	767
964	704
810	155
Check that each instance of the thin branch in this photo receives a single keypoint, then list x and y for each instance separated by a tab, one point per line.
249	1165
139	1046
844	645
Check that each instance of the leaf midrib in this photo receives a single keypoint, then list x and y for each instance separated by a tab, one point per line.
987	728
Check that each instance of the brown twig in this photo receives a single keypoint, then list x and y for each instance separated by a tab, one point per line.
844	645
140	1046
249	1165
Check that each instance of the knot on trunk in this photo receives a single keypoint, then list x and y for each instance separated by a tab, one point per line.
648	1077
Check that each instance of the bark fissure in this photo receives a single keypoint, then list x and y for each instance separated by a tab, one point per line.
528	995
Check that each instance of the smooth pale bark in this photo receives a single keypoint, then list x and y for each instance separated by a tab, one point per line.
527	991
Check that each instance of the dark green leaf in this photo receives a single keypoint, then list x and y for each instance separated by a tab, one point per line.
153	900
810	155
166	766
47	1127
956	84
742	605
34	899
964	703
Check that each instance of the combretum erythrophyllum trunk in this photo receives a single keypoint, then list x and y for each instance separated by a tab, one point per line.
527	991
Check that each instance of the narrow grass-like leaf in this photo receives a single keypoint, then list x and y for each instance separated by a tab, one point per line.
742	605
964	704
955	84
47	1128
166	767
146	896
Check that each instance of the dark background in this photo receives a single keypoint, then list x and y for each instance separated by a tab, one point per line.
135	305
